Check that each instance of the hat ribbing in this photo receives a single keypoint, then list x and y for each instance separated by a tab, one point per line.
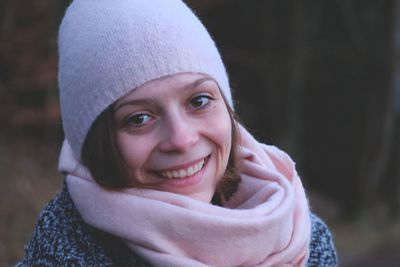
108	48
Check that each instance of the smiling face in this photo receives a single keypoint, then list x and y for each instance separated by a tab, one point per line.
174	134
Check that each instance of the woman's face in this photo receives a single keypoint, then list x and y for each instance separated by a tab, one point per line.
174	134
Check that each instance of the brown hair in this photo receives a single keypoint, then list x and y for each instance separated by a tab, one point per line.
101	155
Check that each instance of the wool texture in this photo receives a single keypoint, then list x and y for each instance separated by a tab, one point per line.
266	222
62	238
108	48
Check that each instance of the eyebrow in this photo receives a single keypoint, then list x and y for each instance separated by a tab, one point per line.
150	102
198	82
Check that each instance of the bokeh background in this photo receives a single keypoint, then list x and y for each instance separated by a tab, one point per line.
320	79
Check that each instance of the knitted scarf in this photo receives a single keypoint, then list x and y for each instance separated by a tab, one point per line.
265	223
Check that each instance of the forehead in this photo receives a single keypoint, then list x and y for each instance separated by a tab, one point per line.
166	85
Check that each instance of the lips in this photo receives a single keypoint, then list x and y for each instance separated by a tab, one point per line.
184	172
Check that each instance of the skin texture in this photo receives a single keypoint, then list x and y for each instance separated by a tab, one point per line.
173	124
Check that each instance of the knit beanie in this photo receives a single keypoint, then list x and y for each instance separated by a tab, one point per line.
107	48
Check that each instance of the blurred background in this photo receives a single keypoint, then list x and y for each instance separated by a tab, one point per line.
319	79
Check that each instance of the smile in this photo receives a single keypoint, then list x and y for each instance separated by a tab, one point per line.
182	173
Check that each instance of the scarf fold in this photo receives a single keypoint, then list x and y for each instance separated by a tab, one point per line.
265	223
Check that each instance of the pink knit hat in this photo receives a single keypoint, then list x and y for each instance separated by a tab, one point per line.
108	48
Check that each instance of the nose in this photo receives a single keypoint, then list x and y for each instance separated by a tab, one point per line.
179	135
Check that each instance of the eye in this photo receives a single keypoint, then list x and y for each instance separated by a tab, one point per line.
200	101
138	120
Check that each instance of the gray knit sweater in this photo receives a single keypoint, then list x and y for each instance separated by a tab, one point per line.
62	238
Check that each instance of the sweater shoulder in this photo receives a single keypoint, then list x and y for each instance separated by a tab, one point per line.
61	238
322	248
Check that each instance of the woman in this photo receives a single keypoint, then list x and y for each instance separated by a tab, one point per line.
158	171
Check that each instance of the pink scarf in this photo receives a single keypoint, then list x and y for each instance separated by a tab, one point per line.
266	223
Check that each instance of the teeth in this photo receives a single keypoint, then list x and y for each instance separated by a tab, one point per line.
190	171
176	174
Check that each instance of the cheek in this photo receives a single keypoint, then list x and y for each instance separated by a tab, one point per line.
222	134
135	151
